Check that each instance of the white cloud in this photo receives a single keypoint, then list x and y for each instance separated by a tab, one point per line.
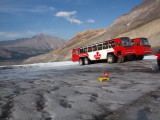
36	9
69	16
65	14
40	9
73	20
91	21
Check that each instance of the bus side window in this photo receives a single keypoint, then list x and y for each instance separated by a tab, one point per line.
94	48
132	42
81	50
111	44
89	49
74	53
138	43
118	44
77	52
85	50
99	47
105	45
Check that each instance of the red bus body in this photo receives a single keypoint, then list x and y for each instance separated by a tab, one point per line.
110	50
141	47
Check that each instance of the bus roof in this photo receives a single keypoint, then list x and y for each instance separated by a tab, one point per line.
100	42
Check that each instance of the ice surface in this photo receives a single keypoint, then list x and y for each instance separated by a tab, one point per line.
44	65
67	91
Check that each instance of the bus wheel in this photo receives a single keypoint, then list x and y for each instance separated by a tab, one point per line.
110	58
140	57
86	61
133	57
130	58
81	61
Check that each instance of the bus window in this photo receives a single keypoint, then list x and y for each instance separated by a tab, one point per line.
126	42
132	42
74	53
89	49
94	48
77	52
111	44
85	50
138	43
118	44
144	41
105	45
99	47
81	50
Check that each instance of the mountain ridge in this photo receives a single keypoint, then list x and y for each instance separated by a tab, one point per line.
27	47
26	42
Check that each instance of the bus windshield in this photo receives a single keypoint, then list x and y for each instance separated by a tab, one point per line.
126	42
144	41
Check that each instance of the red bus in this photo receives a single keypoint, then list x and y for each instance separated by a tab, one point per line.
112	50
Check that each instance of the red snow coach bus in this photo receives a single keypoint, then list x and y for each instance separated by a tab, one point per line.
141	47
113	51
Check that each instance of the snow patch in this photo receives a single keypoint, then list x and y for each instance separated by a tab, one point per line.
150	57
50	64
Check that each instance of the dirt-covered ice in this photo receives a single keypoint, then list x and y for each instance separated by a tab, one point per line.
67	91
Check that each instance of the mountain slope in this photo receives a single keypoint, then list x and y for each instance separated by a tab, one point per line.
142	21
27	47
64	53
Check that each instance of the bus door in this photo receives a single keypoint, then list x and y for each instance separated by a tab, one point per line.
75	55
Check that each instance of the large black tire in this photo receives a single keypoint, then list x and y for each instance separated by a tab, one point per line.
130	58
120	58
110	58
158	63
139	57
81	61
134	57
86	61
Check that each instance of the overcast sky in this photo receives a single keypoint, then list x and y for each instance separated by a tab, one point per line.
60	18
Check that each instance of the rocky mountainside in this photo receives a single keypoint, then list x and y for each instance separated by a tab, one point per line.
27	47
142	21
